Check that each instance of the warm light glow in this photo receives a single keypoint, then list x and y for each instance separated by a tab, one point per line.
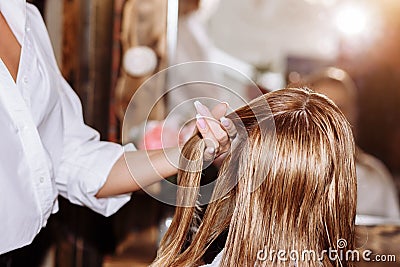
322	2
352	19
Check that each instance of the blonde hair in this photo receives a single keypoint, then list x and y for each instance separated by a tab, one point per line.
293	186
342	81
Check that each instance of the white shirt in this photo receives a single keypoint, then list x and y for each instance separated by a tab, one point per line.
45	147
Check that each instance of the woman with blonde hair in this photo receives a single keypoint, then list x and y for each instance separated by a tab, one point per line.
288	184
377	196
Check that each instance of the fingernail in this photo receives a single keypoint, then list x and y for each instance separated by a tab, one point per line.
201	122
224	121
210	150
200	107
225	103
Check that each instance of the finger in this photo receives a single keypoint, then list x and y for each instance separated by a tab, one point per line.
229	127
211	144
219	110
214	125
208	136
209	154
201	109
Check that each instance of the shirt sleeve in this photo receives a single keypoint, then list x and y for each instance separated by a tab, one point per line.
86	161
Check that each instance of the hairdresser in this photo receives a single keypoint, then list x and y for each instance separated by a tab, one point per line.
46	149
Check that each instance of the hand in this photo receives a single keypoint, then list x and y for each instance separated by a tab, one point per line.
217	131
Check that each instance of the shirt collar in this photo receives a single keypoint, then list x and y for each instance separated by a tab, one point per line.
14	11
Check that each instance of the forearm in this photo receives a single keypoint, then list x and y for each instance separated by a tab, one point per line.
138	169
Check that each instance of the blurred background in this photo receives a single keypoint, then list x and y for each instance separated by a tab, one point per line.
107	49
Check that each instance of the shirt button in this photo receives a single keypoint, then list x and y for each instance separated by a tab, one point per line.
25	79
28	29
41	179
